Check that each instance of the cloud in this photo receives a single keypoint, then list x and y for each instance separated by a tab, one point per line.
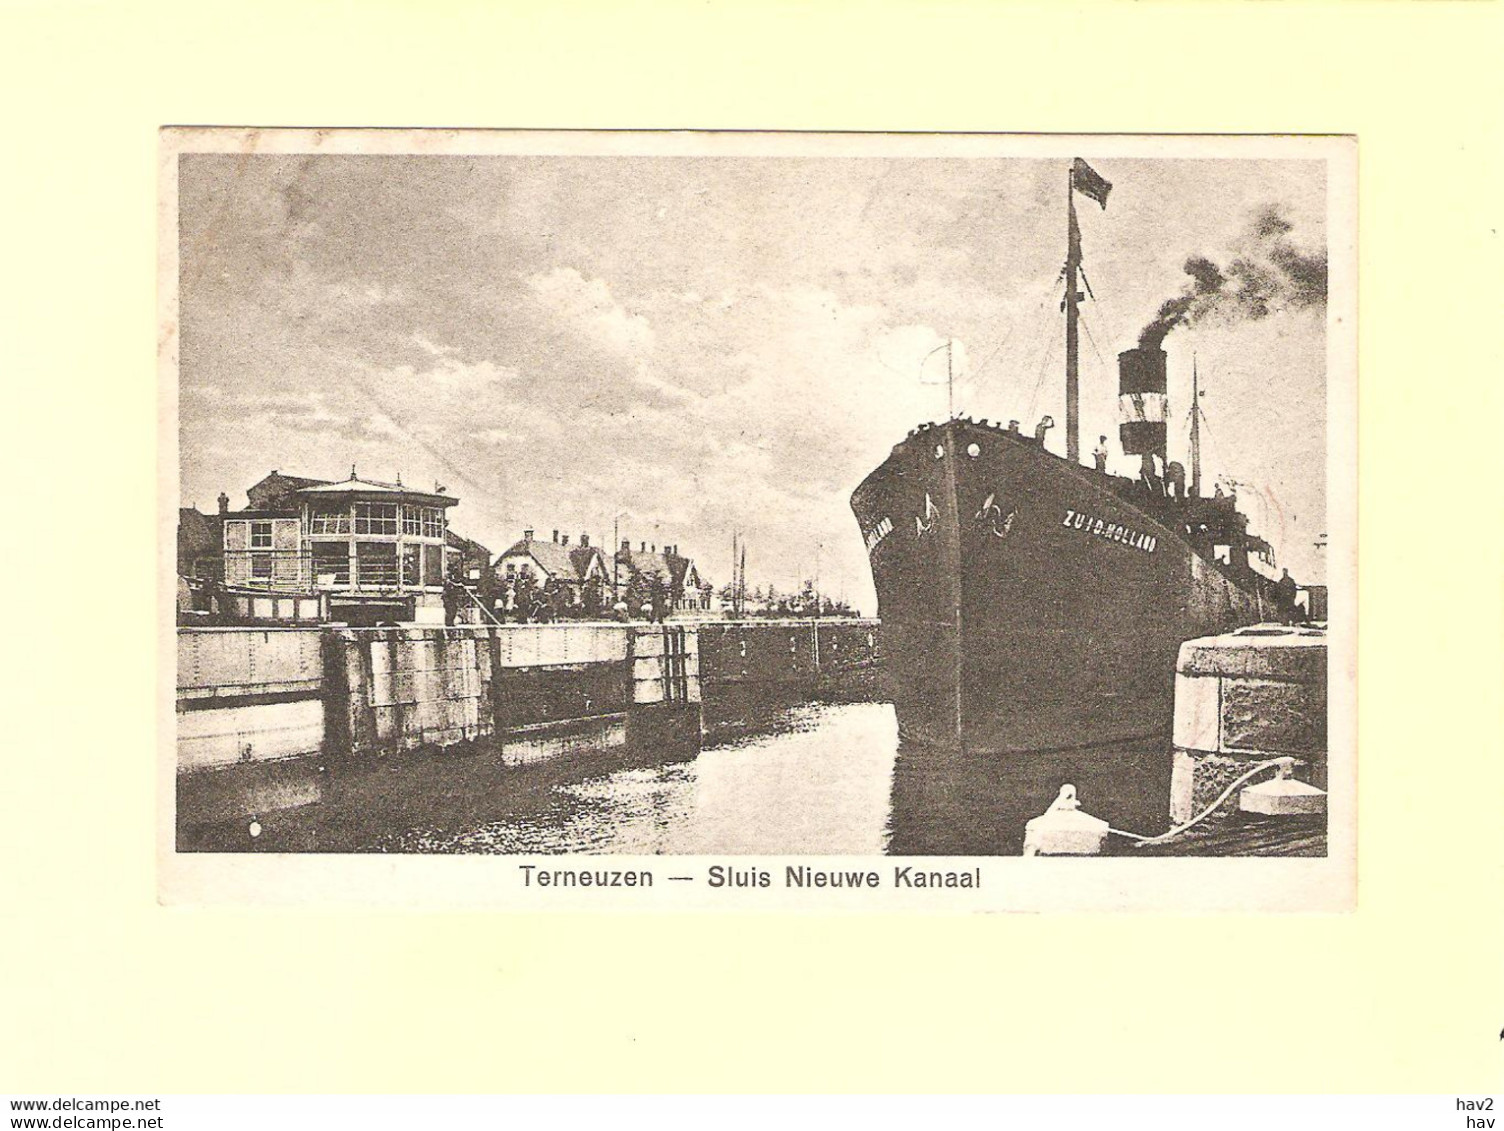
447	373
302	412
533	333
588	307
380	426
365	295
421	341
496	436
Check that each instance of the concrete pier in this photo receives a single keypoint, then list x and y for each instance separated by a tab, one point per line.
248	695
262	713
1240	699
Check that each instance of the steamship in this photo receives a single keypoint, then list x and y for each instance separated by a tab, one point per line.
1030	603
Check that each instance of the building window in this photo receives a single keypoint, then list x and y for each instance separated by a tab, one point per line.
331	563
376	518
261	535
433	565
330	522
411	567
261	566
427	522
375	564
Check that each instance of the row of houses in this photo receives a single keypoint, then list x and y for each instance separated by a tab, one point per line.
367	552
584	577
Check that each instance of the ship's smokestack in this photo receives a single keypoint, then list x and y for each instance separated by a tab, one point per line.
1141	402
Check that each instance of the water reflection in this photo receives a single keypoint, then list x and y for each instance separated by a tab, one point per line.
814	780
810	779
944	803
827	779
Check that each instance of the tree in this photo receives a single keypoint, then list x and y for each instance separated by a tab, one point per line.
593	598
647	587
806	604
555	601
659	595
768	601
526	596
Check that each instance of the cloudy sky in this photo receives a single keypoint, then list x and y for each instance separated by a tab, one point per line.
710	344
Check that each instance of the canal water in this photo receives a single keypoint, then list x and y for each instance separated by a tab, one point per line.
804	779
814	780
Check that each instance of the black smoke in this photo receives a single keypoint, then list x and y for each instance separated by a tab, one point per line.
1266	275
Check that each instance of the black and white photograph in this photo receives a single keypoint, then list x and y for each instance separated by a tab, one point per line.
816	511
742	564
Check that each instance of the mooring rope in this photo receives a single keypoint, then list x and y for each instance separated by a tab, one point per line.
1207	812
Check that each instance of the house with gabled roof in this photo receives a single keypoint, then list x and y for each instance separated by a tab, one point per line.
572	571
646	570
199	549
276	491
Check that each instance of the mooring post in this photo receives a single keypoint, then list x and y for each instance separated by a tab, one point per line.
499	715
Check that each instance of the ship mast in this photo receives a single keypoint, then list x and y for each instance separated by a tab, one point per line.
950	379
1072	314
1195	429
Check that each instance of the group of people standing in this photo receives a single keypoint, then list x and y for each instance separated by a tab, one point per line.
522	601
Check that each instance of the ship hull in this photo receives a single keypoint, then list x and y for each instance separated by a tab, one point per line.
1029	604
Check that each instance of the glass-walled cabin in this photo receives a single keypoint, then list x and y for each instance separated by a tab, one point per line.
356	541
379	544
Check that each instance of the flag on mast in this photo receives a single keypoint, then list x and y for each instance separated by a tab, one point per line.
1088	182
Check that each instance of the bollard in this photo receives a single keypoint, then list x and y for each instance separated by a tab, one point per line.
1282	795
1239	699
1064	830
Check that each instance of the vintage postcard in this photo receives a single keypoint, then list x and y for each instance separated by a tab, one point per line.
758	521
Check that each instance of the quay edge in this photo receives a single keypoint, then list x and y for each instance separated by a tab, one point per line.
265	716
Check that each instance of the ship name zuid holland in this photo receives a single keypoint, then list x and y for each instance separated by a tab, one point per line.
1112	531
